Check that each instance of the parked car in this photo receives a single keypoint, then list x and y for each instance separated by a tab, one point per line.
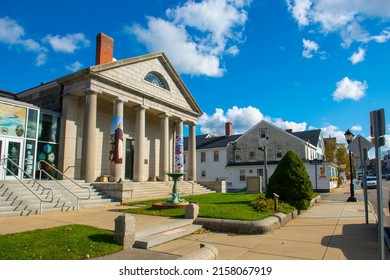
371	182
388	176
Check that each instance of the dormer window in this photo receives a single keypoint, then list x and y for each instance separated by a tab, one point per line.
156	79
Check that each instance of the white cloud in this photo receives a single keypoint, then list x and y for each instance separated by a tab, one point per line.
203	33
242	120
41	59
299	9
358	56
345	17
10	31
357	128
329	130
349	89
308	48
68	43
75	66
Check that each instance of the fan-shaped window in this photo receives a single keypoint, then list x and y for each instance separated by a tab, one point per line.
156	79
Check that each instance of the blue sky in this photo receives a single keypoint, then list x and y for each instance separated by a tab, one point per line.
300	64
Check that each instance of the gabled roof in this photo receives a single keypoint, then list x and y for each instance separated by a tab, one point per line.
311	136
206	141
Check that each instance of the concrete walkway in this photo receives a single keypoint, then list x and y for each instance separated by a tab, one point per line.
331	230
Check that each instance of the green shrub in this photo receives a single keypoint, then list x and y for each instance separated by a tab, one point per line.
267	205
291	182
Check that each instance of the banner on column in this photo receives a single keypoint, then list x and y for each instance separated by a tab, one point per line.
179	154
116	143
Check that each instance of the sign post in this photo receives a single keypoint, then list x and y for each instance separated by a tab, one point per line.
360	146
378	130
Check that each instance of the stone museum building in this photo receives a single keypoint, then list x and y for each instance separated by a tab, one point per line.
114	121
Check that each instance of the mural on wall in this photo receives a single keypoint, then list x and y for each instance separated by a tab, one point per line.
116	143
12	120
179	154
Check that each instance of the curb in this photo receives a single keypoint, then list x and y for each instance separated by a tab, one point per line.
205	252
263	226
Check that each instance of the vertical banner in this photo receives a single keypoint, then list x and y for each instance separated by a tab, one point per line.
322	172
116	144
179	154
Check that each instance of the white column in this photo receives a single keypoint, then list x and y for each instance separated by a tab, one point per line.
89	138
164	147
139	147
68	136
192	153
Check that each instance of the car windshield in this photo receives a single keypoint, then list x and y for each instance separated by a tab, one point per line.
371	179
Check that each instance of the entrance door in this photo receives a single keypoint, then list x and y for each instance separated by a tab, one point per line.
129	163
11	149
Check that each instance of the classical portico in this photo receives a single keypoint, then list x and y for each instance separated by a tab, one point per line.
144	93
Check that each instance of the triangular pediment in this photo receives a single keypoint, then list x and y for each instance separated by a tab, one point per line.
130	74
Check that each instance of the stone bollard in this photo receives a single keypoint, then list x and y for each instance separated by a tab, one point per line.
124	233
192	211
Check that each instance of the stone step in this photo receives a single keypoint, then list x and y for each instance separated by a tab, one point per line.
154	236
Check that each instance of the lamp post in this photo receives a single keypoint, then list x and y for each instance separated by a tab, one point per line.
349	137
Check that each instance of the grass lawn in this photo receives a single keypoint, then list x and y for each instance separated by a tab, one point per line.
70	242
234	206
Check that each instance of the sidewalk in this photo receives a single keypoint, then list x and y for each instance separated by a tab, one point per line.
331	230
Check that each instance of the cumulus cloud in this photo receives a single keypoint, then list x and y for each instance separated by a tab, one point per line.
203	33
357	128
308	48
75	66
358	56
14	35
348	18
349	89
242	120
68	43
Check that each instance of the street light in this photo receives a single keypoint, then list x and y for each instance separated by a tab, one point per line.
349	137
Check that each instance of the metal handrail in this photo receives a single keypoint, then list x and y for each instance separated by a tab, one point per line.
50	190
63	175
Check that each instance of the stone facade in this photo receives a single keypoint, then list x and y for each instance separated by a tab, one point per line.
152	113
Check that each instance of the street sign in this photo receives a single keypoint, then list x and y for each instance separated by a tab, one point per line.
354	145
315	161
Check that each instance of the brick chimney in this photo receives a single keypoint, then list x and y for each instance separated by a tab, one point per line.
228	129
104	48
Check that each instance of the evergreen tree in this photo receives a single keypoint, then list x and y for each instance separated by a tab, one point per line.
291	182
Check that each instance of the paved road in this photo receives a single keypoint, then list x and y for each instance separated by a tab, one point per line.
372	197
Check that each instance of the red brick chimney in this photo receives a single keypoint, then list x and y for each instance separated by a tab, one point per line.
228	129
104	48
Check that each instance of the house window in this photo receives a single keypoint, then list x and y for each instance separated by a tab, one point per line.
238	155
259	172
263	133
202	156
216	155
242	175
252	154
203	173
279	152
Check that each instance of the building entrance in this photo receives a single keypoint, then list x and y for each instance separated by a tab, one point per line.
11	149
129	163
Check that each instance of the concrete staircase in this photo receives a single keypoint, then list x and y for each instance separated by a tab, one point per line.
152	190
17	200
